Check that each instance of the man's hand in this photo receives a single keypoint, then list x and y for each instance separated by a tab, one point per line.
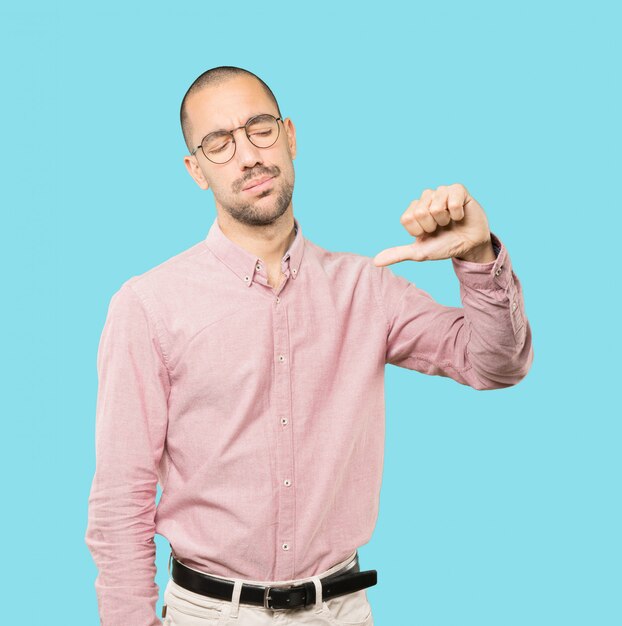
447	223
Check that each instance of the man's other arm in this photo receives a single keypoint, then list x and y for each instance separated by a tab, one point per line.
131	421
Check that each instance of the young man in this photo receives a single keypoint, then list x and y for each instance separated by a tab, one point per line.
246	376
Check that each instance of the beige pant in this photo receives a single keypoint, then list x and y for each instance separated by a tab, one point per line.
186	608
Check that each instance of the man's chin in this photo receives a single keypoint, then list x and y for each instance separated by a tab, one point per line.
257	215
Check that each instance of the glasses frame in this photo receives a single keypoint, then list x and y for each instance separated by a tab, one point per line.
245	127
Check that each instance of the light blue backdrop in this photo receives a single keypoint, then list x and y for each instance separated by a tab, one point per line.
497	508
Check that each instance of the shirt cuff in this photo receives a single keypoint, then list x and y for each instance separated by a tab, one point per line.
495	274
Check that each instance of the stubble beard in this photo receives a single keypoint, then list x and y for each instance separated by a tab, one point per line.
251	214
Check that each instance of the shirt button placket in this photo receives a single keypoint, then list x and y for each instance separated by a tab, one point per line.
284	444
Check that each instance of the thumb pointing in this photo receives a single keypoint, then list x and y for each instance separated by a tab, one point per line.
397	254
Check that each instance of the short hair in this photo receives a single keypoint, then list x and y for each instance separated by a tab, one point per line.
214	76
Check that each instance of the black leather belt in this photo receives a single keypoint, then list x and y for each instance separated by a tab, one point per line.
347	579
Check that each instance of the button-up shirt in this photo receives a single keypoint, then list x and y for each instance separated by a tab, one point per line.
261	411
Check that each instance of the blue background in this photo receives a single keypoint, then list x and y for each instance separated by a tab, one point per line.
497	507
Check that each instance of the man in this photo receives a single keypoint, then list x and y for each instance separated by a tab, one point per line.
246	376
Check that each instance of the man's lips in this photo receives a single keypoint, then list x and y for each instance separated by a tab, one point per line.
259	183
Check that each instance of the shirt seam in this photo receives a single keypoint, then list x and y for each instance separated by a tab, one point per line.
150	315
440	364
380	303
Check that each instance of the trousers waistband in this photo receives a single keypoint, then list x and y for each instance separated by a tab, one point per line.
343	577
265	583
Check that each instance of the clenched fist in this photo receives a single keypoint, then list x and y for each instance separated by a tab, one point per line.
447	222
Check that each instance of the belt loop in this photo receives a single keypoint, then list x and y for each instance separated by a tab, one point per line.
318	593
235	598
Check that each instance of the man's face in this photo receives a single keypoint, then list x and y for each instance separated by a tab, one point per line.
225	107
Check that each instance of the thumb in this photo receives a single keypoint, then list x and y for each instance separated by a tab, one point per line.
409	252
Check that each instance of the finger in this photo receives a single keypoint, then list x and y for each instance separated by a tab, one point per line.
395	255
425	197
438	207
408	219
411	224
417	218
422	215
455	202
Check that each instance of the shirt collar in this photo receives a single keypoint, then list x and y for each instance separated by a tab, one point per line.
242	262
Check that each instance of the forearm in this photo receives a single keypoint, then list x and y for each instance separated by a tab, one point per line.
499	346
123	549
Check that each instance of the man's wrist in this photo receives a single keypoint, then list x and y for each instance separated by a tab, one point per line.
484	253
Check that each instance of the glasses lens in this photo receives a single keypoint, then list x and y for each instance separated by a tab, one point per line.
263	130
218	147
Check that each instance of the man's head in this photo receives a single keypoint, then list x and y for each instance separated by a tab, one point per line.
225	98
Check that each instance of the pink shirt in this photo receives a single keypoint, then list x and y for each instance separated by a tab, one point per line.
261	414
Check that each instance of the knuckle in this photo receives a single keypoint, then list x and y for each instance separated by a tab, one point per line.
420	212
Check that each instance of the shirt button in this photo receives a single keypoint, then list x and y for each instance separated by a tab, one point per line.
285	546
287	482
278	299
283	420
514	305
257	267
498	271
294	270
281	358
246	278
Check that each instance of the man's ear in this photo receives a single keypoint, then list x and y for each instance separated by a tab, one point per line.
194	170
290	130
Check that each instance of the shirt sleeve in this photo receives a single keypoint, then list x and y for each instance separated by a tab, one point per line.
131	420
485	344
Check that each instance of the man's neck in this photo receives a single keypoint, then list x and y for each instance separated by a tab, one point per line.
269	243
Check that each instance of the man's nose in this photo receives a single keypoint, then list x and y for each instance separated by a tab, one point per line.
246	153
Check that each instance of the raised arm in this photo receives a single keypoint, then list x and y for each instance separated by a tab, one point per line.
486	343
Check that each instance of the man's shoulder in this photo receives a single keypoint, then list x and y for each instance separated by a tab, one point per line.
167	272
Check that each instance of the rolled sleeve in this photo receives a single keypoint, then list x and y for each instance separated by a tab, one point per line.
485	344
131	422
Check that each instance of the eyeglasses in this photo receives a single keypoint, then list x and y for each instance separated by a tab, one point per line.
262	131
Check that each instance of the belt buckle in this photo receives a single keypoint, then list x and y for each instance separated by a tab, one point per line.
267	597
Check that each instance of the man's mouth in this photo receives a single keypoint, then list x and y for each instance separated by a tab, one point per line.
259	184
